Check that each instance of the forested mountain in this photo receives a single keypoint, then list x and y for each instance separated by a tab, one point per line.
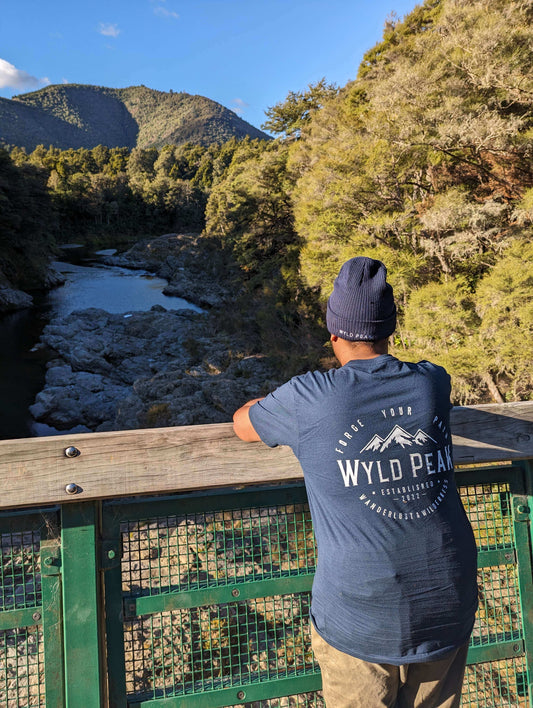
423	161
74	116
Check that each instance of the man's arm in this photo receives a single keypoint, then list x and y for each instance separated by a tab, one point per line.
242	424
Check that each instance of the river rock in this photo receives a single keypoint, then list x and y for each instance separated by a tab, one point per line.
11	299
53	277
196	395
148	369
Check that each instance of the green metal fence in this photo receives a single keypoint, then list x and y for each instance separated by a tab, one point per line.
201	600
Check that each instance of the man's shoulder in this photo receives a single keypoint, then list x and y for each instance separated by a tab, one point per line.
424	366
431	368
313	378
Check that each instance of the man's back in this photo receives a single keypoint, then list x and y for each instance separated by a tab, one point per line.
395	581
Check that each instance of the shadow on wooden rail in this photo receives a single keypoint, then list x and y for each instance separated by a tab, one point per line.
38	471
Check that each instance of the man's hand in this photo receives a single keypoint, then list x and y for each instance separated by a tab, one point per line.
242	424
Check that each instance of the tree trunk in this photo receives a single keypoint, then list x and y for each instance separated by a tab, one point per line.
493	389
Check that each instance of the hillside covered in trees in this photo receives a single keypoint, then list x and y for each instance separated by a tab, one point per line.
79	116
423	161
108	196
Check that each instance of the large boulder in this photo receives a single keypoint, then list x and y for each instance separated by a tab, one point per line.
53	277
11	299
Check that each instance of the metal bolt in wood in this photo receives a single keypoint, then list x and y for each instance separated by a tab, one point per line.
72	451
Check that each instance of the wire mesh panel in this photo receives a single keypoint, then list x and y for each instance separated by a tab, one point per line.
21	648
212	647
21	667
302	700
499	616
180	640
20	573
499	628
28	611
200	646
196	550
496	684
489	509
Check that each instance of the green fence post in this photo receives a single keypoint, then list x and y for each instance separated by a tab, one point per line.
526	590
114	627
52	624
81	599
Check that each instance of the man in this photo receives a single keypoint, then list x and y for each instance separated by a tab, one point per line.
395	593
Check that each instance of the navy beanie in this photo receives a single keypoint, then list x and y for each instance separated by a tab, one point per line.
361	307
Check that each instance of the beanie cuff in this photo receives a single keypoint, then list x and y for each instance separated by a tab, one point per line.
369	331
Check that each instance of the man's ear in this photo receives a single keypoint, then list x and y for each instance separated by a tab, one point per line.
333	338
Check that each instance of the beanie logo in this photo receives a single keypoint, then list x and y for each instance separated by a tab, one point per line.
352	335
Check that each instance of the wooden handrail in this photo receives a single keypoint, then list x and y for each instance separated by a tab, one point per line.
36	471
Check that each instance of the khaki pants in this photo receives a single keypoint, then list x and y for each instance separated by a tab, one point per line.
353	683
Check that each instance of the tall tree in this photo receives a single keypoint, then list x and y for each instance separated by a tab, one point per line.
288	117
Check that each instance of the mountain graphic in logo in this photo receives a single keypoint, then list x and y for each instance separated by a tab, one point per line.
397	436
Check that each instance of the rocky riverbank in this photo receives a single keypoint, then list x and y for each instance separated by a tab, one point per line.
193	267
156	368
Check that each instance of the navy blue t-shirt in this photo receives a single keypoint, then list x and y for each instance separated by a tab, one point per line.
396	573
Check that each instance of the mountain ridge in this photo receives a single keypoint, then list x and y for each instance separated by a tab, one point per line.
84	116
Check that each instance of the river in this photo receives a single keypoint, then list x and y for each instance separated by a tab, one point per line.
89	283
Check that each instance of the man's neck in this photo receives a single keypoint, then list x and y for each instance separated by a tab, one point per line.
356	351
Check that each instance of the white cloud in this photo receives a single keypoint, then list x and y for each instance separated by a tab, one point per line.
11	77
108	30
239	106
163	12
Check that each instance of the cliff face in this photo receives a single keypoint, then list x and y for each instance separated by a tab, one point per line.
74	116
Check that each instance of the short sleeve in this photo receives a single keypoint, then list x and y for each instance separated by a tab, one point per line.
274	417
443	381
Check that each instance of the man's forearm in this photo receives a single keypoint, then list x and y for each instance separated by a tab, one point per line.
242	425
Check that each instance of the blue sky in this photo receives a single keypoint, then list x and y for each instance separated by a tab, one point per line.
247	55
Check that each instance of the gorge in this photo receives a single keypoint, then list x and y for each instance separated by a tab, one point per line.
132	361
